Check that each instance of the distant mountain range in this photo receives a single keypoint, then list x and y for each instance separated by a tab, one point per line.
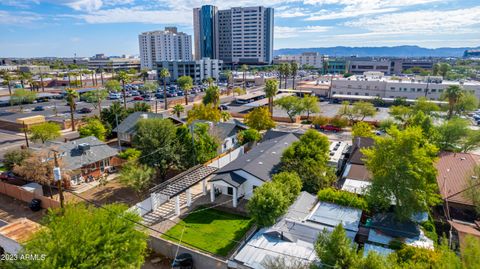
397	51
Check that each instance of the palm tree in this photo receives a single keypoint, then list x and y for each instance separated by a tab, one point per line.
164	74
452	94
71	95
293	72
210	81
286	73
271	89
244	69
228	74
185	83
80	74
101	74
177	110
41	80
144	75
7	80
24	77
124	78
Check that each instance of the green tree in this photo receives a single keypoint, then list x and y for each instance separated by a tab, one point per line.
96	97
292	105
290	184
163	75
109	116
310	105
113	85
400	113
130	154
362	129
443	69
93	127
471	140
403	170
358	111
271	89
185	147
88	237
144	75
177	110
239	91
7	81
156	139
267	204
203	112
470	252
185	83
244	69
44	132
309	157
25	77
453	95
124	78
249	136
139	107
293	72
150	86
259	119
450	134
467	102
425	105
385	124
212	96
15	157
205	145
425	122
21	97
71	96
335	249
136	176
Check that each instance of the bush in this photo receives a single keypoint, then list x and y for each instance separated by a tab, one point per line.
338	121
320	120
430	230
130	154
249	135
15	157
396	244
343	198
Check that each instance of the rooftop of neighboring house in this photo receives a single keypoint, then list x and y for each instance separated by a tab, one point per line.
464	228
356	156
223	130
20	230
455	174
128	124
263	160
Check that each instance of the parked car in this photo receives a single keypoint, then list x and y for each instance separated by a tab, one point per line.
114	96
159	95
223	107
8	175
150	98
183	261
330	128
138	98
180	93
85	110
38	108
135	93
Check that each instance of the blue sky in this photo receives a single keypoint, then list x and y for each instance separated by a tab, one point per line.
32	28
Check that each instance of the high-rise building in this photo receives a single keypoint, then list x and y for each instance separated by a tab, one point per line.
167	45
238	35
198	70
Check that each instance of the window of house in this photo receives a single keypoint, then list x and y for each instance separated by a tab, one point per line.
229	190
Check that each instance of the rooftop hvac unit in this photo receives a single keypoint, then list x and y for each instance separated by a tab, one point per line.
84	147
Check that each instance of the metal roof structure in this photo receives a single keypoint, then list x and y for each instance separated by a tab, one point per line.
181	182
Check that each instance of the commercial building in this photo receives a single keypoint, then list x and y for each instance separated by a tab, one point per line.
335	66
240	35
198	69
376	84
34	69
167	45
358	66
111	64
314	59
471	54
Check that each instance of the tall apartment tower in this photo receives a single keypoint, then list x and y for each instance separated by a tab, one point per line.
167	45
240	35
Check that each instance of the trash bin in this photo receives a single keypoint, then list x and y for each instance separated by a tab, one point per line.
35	205
183	261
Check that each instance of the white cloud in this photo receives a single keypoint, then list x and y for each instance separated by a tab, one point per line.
18	18
129	15
290	32
327	15
290	12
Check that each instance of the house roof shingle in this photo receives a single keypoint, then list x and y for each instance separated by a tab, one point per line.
21	230
454	172
231	178
356	157
358	172
128	124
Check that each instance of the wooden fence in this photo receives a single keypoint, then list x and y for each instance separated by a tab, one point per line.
18	193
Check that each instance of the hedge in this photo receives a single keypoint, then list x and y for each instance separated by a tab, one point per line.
343	198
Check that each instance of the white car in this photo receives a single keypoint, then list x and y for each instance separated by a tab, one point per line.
114	96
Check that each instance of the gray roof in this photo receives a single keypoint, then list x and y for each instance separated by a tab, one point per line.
273	134
231	178
128	124
302	206
263	160
73	158
222	130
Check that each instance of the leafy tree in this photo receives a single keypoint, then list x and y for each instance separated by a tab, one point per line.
400	101
44	132
320	121
239	91
136	176
205	145
150	86
113	85
471	140
259	119
271	89
212	96
338	121
156	139
185	83
225	115
7	81
335	249
203	112
344	198
470	252
310	105
15	157
21	97
290	184
130	154
293	72
177	110
96	97
450	134
144	75
425	122
124	78
139	107
248	136
71	96
385	124
88	237
426	106
244	69
93	127
364	109
163	75
402	165
400	113
309	157
185	147
362	129
292	105
267	204
453	94
443	69
467	102
110	115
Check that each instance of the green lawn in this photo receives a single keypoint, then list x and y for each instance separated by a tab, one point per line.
211	230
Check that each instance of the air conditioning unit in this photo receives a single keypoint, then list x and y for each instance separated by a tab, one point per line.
84	147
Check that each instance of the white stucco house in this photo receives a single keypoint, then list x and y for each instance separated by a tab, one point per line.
240	177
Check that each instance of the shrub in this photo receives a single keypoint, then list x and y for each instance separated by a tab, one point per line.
396	244
320	120
249	135
343	198
338	121
130	154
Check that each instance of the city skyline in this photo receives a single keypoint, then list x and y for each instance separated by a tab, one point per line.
35	28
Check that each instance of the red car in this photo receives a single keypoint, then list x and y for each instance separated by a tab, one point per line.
138	98
330	128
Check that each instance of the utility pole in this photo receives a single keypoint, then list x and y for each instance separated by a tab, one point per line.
25	132
118	138
57	176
